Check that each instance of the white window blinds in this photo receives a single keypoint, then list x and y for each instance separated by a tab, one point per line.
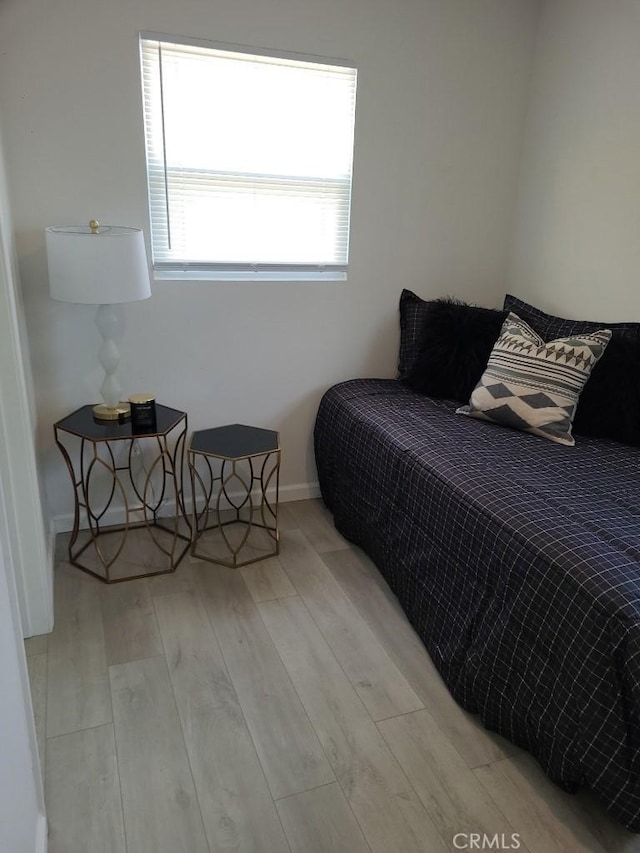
249	159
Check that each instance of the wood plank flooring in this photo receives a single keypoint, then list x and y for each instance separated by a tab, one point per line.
83	793
236	805
160	805
287	707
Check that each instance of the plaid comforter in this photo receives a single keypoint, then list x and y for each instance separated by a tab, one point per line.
516	560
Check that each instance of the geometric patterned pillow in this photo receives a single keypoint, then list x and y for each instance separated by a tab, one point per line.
532	385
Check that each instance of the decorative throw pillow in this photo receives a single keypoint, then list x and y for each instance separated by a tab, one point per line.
532	385
457	340
610	404
550	327
413	311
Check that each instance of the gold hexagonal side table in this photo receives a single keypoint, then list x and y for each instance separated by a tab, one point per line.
99	456
235	475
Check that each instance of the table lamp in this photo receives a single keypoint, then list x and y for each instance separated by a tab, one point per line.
100	265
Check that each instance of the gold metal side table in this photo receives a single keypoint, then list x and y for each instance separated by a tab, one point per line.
235	473
101	458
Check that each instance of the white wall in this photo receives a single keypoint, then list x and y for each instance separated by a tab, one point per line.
22	821
441	98
25	569
577	239
31	551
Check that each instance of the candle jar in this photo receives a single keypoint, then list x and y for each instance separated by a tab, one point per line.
143	413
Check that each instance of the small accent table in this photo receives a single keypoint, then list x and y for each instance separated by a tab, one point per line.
101	457
233	468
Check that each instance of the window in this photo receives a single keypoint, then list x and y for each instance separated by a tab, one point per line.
249	159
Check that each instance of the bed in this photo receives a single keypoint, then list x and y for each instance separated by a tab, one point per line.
516	560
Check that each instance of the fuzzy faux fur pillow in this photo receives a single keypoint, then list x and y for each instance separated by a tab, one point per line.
455	345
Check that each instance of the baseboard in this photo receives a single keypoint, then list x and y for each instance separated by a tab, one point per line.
41	835
296	492
299	492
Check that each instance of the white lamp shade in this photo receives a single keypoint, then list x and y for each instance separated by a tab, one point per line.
97	268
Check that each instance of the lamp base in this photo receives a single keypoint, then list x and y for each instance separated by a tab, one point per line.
121	412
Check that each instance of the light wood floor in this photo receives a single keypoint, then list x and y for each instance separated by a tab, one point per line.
287	706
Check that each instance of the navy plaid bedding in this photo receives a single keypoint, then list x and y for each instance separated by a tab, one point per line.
517	561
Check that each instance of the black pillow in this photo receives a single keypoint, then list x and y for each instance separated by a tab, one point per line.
609	406
457	340
413	311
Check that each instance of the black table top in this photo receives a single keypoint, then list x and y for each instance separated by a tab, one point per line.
82	423
235	441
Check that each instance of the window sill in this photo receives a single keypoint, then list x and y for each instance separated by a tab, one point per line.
227	276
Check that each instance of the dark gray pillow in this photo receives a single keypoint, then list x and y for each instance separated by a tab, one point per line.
549	327
413	311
